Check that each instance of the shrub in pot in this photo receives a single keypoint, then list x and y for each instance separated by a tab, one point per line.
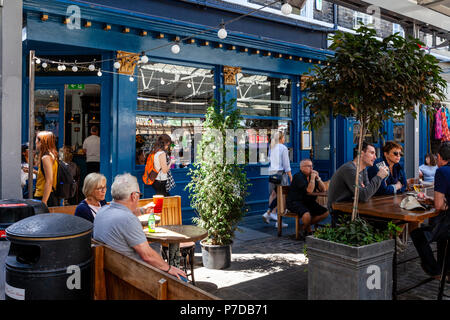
218	186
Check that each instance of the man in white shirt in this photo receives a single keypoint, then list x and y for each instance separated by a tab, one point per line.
91	147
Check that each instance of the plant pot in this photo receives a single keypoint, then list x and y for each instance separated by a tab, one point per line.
216	256
341	272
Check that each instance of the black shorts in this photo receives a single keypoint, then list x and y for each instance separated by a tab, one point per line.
300	208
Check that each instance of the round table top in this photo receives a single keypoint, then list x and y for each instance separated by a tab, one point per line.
176	233
144	219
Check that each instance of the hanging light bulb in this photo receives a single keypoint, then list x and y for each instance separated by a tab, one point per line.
214	87
222	33
131	79
144	59
99	73
298	84
44	65
91	67
117	64
74	68
38	61
286	8
189	85
63	67
175	48
259	87
162	81
59	67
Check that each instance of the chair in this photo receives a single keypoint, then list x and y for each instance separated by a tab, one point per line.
282	192
445	268
171	215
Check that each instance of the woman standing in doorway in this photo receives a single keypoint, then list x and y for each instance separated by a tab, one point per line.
280	166
48	168
164	181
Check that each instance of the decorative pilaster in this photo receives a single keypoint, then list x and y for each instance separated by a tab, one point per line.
128	61
229	75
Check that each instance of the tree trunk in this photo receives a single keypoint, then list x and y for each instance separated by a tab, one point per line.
362	133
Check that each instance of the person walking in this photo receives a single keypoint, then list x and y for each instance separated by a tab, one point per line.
48	168
279	167
162	162
91	147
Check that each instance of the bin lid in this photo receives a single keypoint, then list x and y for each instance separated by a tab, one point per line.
49	225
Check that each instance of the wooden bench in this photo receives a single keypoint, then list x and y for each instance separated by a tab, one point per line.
282	192
119	277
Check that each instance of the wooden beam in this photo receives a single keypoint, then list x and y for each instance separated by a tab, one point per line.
162	293
99	273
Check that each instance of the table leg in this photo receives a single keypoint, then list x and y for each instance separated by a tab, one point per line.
174	254
394	271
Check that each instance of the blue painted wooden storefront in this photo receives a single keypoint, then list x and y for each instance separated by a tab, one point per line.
119	95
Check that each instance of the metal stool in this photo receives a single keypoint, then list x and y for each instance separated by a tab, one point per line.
445	268
187	250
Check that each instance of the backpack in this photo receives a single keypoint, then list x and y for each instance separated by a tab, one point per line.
150	173
66	186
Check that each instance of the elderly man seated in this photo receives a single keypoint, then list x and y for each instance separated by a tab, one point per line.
300	199
118	226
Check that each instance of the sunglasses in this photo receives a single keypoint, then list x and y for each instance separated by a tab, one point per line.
140	194
397	154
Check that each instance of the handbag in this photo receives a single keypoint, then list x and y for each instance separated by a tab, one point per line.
275	178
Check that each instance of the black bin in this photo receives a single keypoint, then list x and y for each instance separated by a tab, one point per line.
49	258
13	210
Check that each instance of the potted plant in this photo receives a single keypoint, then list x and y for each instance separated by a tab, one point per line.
372	81
218	186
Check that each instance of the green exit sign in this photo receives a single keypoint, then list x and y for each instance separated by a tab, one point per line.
75	86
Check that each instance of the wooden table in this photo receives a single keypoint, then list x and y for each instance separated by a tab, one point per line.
173	235
388	208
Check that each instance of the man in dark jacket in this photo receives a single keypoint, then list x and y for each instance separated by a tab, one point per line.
300	198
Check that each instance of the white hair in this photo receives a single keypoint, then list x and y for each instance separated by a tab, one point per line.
304	161
123	186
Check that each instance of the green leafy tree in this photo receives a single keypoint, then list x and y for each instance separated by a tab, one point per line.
372	80
218	187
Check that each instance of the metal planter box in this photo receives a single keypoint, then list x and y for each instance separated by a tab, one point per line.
341	272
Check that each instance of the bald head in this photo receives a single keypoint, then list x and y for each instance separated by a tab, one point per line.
306	166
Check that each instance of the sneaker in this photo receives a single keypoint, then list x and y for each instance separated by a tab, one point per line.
273	216
266	218
283	225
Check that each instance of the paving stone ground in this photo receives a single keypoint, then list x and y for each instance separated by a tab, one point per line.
267	267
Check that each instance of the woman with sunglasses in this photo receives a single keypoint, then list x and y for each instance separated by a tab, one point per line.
395	182
48	168
94	189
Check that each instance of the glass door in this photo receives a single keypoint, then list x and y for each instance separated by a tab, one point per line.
49	112
323	150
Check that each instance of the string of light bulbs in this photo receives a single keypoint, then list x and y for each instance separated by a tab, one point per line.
222	33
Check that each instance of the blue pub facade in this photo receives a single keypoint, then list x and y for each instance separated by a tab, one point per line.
265	56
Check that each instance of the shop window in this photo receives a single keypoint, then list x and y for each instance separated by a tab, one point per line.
172	99
266	105
369	137
46	111
174	89
259	95
183	131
